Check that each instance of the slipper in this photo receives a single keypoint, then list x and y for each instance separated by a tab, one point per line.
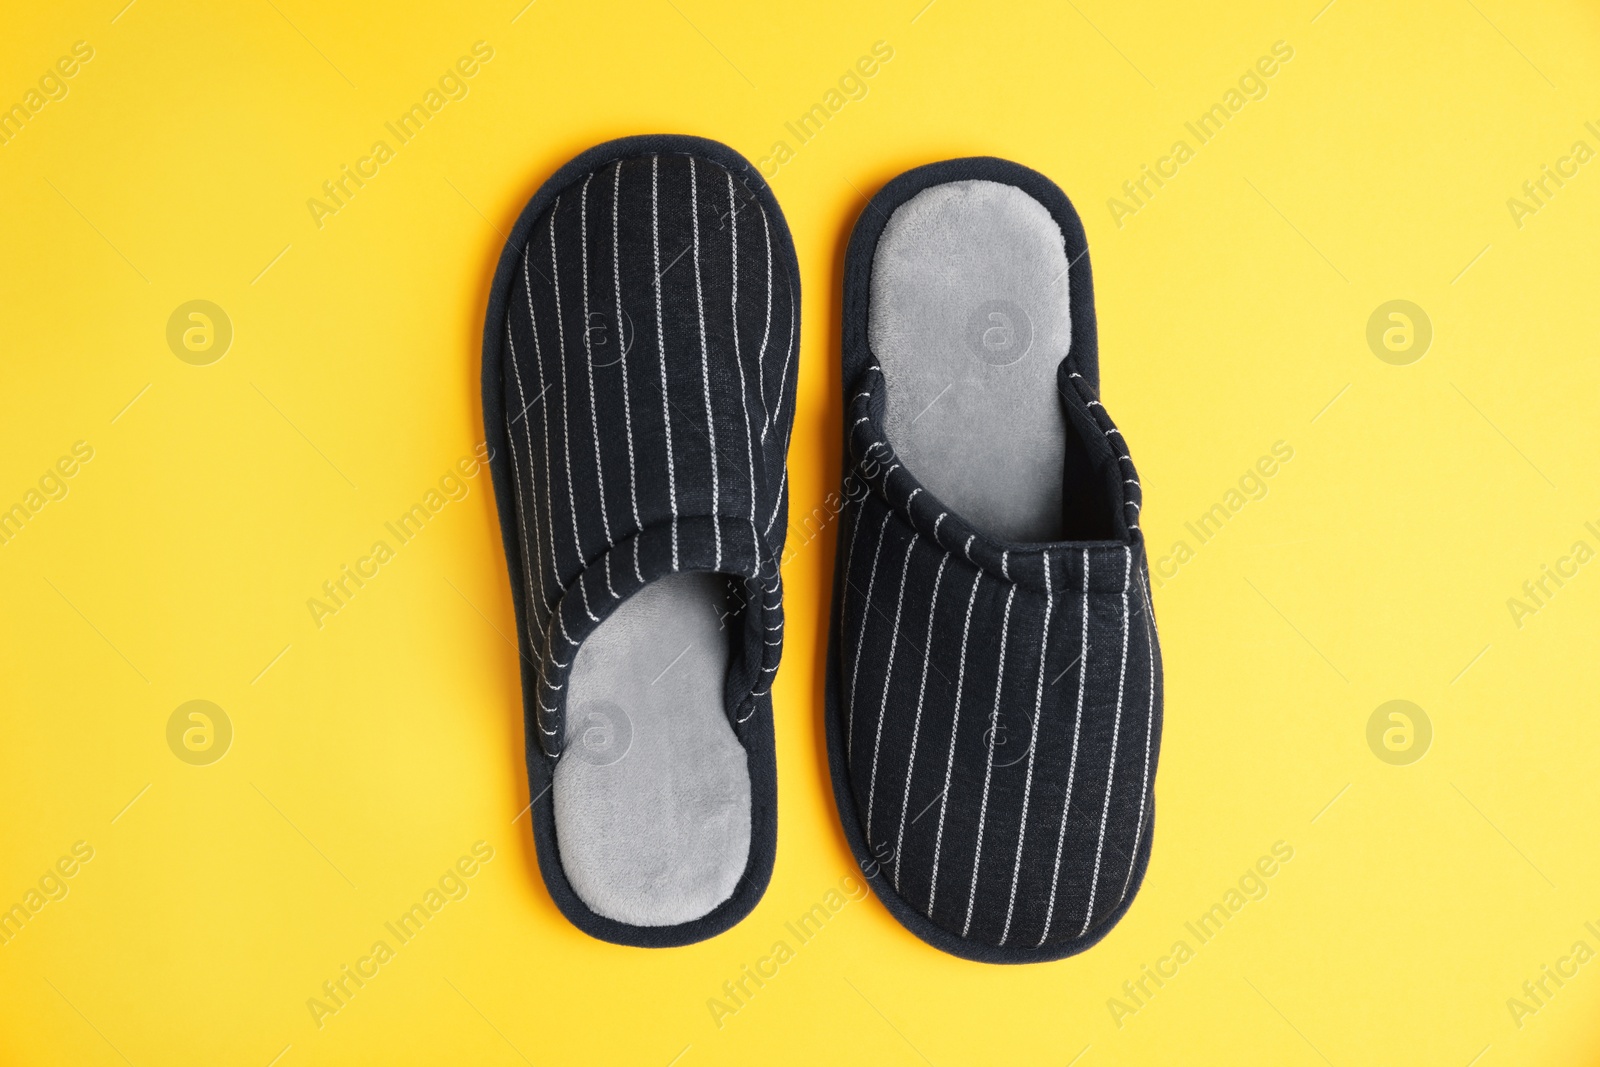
994	680
638	395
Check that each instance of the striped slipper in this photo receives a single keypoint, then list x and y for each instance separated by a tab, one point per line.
638	394
994	681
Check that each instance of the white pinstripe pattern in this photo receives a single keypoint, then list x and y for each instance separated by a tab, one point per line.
545	662
622	369
955	729
543	665
565	636
1038	713
770	605
1149	726
783	380
1116	727
777	506
775	592
566	427
849	560
532	545
534	619
550	626
888	676
916	723
761	363
544	426
1072	767
794	314
855	670
768	669
588	362
661	349
988	772
738	359
705	365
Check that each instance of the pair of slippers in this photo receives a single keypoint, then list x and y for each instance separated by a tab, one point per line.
993	678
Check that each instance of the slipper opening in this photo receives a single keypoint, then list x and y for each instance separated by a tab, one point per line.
970	317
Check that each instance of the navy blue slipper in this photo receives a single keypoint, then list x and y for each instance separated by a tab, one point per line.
638	395
993	676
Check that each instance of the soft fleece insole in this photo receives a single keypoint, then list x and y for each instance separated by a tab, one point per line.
652	790
969	317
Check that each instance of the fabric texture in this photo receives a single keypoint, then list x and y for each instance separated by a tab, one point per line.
994	706
954	357
638	382
652	794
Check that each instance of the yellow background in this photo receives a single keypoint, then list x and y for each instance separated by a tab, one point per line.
370	754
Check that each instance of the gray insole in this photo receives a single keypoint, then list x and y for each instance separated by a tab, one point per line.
969	317
652	790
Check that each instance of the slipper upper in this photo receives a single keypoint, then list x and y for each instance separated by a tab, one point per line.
649	378
999	704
